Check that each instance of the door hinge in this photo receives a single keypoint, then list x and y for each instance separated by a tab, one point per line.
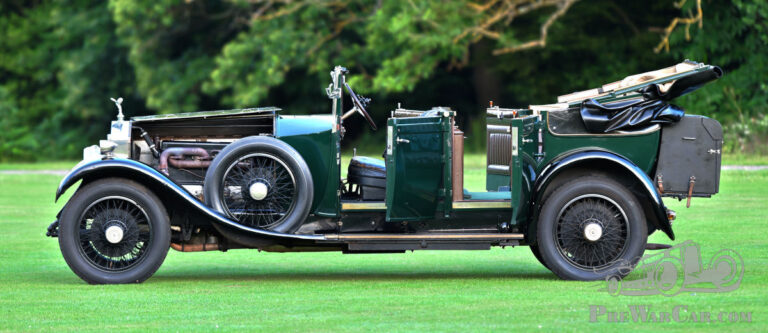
540	152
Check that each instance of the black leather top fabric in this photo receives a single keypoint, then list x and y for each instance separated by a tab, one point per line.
653	108
600	118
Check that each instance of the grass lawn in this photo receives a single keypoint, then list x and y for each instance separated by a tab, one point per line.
57	165
328	292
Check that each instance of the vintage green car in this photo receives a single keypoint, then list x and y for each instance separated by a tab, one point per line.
580	181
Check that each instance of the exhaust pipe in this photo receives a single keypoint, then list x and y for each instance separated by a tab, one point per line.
197	247
176	156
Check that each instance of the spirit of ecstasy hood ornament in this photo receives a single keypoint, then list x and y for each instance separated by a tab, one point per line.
119	103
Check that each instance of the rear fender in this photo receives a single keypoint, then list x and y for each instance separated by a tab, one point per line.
607	159
166	188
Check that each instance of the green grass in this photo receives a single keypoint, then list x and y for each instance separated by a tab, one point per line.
745	159
56	165
420	291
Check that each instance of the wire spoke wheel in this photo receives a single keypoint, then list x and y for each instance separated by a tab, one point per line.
260	183
114	230
259	190
592	232
114	234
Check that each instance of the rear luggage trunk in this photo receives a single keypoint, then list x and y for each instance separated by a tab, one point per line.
690	156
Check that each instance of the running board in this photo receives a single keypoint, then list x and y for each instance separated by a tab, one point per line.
424	237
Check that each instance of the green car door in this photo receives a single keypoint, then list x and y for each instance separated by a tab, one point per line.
416	157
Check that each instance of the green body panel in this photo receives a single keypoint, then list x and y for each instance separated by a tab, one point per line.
314	139
521	181
317	139
416	169
640	149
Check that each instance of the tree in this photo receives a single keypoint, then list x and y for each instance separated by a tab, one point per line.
61	61
59	64
735	37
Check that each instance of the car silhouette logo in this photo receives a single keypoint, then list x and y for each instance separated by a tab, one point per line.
679	269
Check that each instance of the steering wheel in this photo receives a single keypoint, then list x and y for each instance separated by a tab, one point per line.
359	106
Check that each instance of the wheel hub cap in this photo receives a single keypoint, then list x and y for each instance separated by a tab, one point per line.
593	231
114	234
258	191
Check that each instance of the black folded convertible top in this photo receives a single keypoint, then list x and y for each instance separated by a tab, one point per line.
648	101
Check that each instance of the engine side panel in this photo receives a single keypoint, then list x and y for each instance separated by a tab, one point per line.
222	126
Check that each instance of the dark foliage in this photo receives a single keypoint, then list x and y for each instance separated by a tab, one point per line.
60	61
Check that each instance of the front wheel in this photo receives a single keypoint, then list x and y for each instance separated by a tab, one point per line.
537	254
114	231
591	228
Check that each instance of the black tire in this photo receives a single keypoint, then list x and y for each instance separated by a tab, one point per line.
280	169
144	238
591	207
537	254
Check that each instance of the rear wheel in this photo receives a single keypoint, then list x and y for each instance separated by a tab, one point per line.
591	228
114	231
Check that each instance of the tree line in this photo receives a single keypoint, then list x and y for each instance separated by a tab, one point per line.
61	61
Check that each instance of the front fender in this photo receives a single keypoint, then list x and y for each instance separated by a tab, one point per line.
554	168
153	179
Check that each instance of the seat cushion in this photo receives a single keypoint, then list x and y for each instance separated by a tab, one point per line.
370	174
364	164
367	171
